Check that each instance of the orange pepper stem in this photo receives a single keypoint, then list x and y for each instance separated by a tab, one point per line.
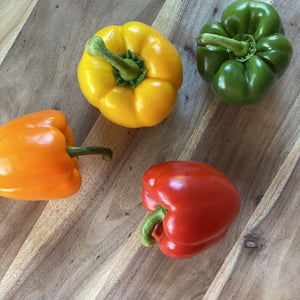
77	151
151	221
128	68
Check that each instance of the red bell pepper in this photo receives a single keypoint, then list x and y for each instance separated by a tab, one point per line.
192	205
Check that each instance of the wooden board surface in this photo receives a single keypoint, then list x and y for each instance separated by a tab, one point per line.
87	246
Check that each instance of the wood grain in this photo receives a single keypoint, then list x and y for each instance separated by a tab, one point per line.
87	246
13	15
276	236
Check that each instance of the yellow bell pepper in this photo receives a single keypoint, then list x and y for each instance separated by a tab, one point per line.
131	73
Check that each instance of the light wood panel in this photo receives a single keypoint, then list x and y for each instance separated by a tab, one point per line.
13	15
87	246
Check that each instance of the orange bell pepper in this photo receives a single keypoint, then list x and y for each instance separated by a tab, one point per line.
38	158
131	73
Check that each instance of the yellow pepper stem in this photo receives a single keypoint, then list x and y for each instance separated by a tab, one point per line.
128	68
77	151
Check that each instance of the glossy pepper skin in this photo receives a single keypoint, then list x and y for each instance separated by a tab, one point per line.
192	205
139	92
37	157
244	54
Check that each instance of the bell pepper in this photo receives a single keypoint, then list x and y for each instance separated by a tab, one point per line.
244	54
131	73
38	157
192	205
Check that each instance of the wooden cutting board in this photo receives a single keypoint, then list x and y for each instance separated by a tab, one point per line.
87	246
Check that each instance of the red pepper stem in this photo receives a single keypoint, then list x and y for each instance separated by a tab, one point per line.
129	70
77	151
238	48
151	221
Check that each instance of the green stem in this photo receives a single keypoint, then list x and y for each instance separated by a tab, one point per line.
77	151
151	221
238	48
128	69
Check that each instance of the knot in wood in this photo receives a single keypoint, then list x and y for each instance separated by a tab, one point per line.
250	244
251	241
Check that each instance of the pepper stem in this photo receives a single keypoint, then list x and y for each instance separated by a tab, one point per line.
77	151
151	221
128	69
238	48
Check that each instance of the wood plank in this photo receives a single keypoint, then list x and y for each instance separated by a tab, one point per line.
13	15
87	246
265	230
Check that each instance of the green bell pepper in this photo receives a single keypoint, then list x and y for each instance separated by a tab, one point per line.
242	56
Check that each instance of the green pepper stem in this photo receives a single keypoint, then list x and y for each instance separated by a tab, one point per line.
238	48
151	221
128	69
77	151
